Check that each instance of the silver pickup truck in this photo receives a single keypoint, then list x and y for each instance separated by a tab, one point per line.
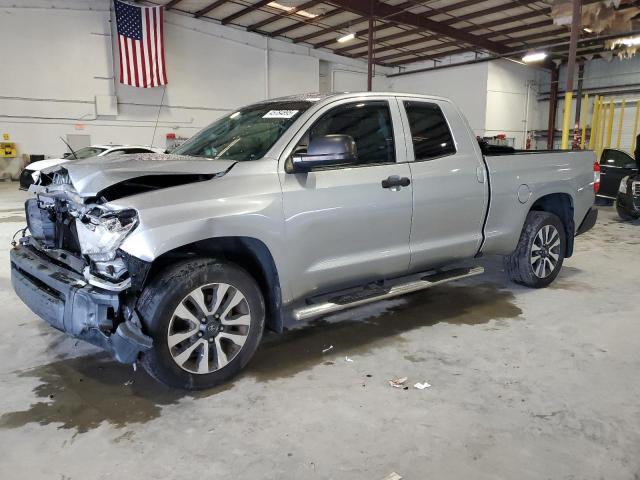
280	212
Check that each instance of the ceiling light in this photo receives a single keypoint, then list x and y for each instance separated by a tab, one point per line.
285	8
347	37
534	57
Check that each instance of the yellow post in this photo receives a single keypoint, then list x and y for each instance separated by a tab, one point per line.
585	105
635	129
601	126
619	137
610	124
566	119
594	119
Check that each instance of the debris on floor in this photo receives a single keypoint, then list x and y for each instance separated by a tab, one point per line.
421	386
398	382
393	476
330	347
128	382
347	359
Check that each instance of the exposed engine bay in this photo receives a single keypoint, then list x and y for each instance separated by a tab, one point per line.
83	236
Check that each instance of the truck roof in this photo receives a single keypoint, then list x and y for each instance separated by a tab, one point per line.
317	97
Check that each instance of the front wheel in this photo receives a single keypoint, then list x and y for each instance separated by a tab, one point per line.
624	214
537	259
206	318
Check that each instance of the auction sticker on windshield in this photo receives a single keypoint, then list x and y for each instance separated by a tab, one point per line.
280	113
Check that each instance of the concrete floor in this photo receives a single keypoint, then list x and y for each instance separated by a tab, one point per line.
526	384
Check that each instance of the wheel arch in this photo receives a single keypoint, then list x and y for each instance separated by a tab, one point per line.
560	204
249	253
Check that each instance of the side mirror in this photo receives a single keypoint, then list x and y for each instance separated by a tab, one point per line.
325	151
66	155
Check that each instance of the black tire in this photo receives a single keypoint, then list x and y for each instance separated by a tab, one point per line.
166	292
624	214
518	265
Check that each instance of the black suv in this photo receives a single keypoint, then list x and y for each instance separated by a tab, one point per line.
614	166
620	179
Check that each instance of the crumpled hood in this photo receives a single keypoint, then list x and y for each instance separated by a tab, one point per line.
92	175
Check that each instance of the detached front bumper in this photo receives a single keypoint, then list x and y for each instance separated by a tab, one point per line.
63	299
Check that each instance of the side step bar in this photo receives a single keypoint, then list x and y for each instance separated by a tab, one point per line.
335	304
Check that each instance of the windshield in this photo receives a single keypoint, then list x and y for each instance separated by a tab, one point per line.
246	134
86	152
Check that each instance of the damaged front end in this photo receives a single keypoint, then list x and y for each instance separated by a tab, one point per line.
70	270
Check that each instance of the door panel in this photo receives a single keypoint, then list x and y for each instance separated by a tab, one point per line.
343	226
614	166
450	192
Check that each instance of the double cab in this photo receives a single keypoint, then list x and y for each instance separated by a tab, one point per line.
280	212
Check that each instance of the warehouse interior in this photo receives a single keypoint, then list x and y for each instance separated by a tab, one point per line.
478	378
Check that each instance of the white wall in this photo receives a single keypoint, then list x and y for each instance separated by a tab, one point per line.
491	94
511	100
60	59
466	85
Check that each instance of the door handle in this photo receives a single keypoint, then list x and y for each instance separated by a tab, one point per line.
395	182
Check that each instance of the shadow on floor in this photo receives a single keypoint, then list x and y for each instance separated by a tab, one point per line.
81	393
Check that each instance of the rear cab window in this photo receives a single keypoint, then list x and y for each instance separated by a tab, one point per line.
430	133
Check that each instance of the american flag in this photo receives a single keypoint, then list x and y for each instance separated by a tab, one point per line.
141	40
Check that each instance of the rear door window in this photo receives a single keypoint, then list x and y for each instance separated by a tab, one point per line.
429	131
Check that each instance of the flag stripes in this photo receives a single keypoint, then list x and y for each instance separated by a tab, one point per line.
141	41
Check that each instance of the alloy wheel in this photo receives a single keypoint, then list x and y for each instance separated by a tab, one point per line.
545	251
208	328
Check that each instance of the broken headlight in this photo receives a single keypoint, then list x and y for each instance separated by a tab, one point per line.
100	235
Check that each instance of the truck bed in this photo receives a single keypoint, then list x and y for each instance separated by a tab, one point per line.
528	176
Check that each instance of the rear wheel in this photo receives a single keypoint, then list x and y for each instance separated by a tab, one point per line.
537	259
206	319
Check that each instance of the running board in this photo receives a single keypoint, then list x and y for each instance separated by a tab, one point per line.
419	282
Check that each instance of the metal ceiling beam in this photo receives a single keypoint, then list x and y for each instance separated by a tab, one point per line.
395	46
385	10
244	11
551	45
296	25
208	8
467	17
377	28
275	18
522	39
332	29
171	4
361	19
